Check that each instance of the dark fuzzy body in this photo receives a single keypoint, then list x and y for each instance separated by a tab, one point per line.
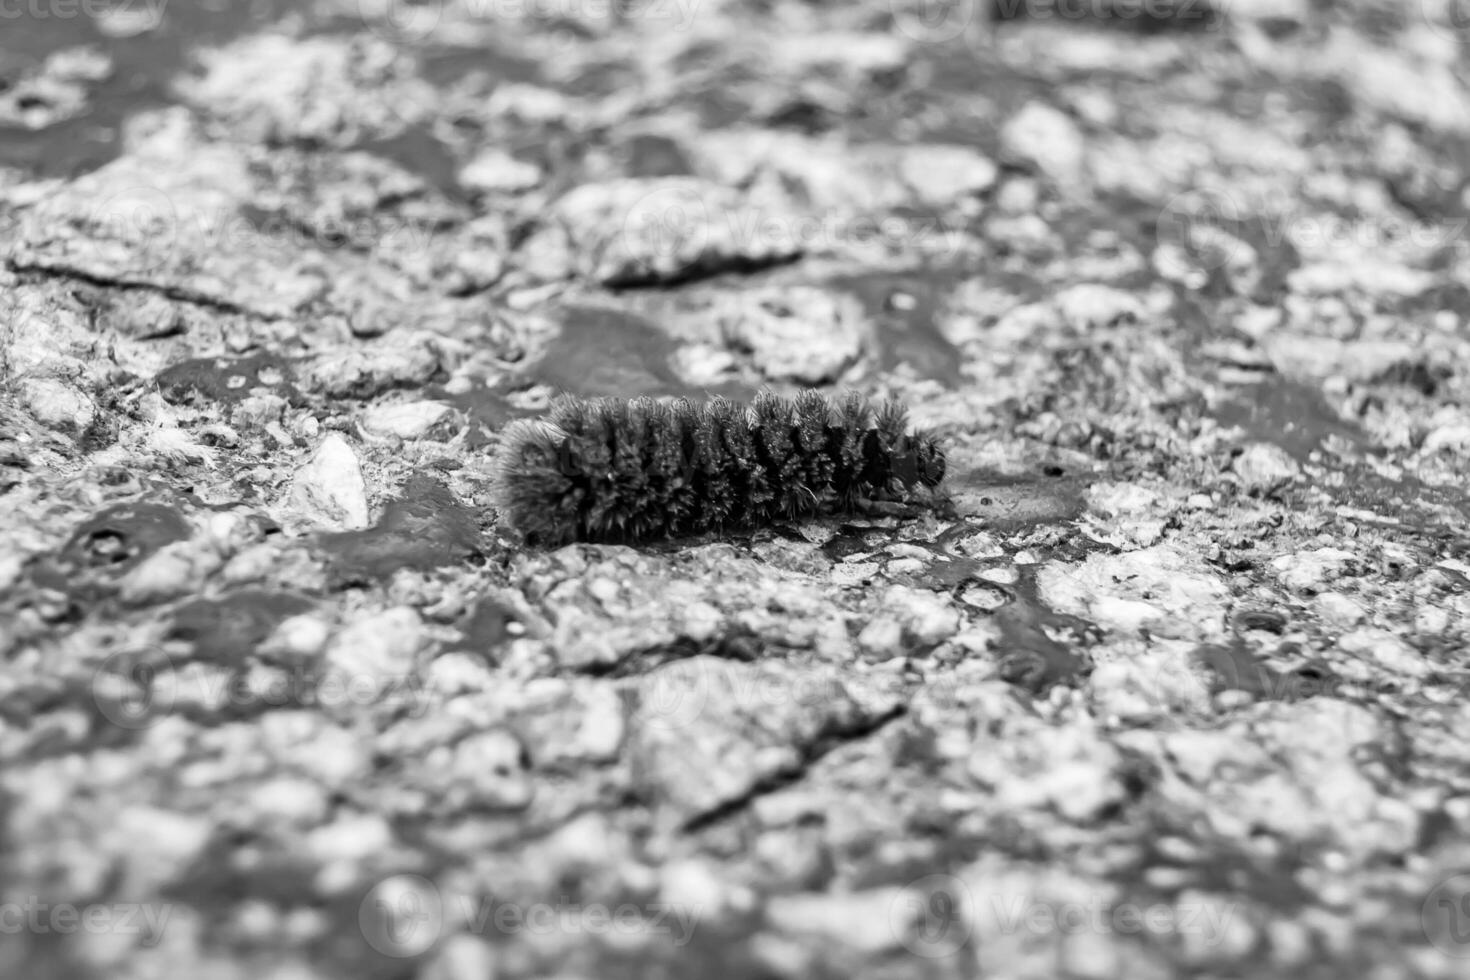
631	469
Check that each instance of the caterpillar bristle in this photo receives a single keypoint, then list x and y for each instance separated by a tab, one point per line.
616	469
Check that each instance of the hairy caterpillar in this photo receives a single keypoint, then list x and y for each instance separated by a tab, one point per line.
618	469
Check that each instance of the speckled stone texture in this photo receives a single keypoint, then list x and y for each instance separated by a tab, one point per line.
1176	686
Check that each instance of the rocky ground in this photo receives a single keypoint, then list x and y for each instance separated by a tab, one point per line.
1177	687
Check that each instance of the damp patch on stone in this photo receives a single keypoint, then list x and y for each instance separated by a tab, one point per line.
227	630
426	527
609	352
227	380
484	405
1234	667
488	627
905	309
110	544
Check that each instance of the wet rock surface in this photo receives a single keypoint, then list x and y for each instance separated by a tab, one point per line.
1174	683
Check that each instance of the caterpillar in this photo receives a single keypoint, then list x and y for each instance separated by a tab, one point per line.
626	470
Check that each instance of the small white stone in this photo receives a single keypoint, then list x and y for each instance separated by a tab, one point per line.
172	571
411	420
298	637
938	174
352	837
1388	650
1089	306
291	799
1430	621
328	490
57	405
378	649
1338	611
1048	138
924	616
854	573
495	171
1311	571
882	638
859	921
1265	467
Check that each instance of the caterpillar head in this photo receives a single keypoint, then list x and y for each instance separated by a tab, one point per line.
917	459
928	460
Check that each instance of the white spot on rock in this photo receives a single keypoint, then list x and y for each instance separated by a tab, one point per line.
328	490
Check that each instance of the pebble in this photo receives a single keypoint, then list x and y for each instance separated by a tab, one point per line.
881	639
409	420
297	637
938	173
57	404
1264	468
1086	307
328	491
1048	138
174	570
984	598
925	617
797	333
1311	571
497	172
489	770
351	837
378	649
1337	610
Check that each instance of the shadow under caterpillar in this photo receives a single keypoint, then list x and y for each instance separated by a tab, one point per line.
623	470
